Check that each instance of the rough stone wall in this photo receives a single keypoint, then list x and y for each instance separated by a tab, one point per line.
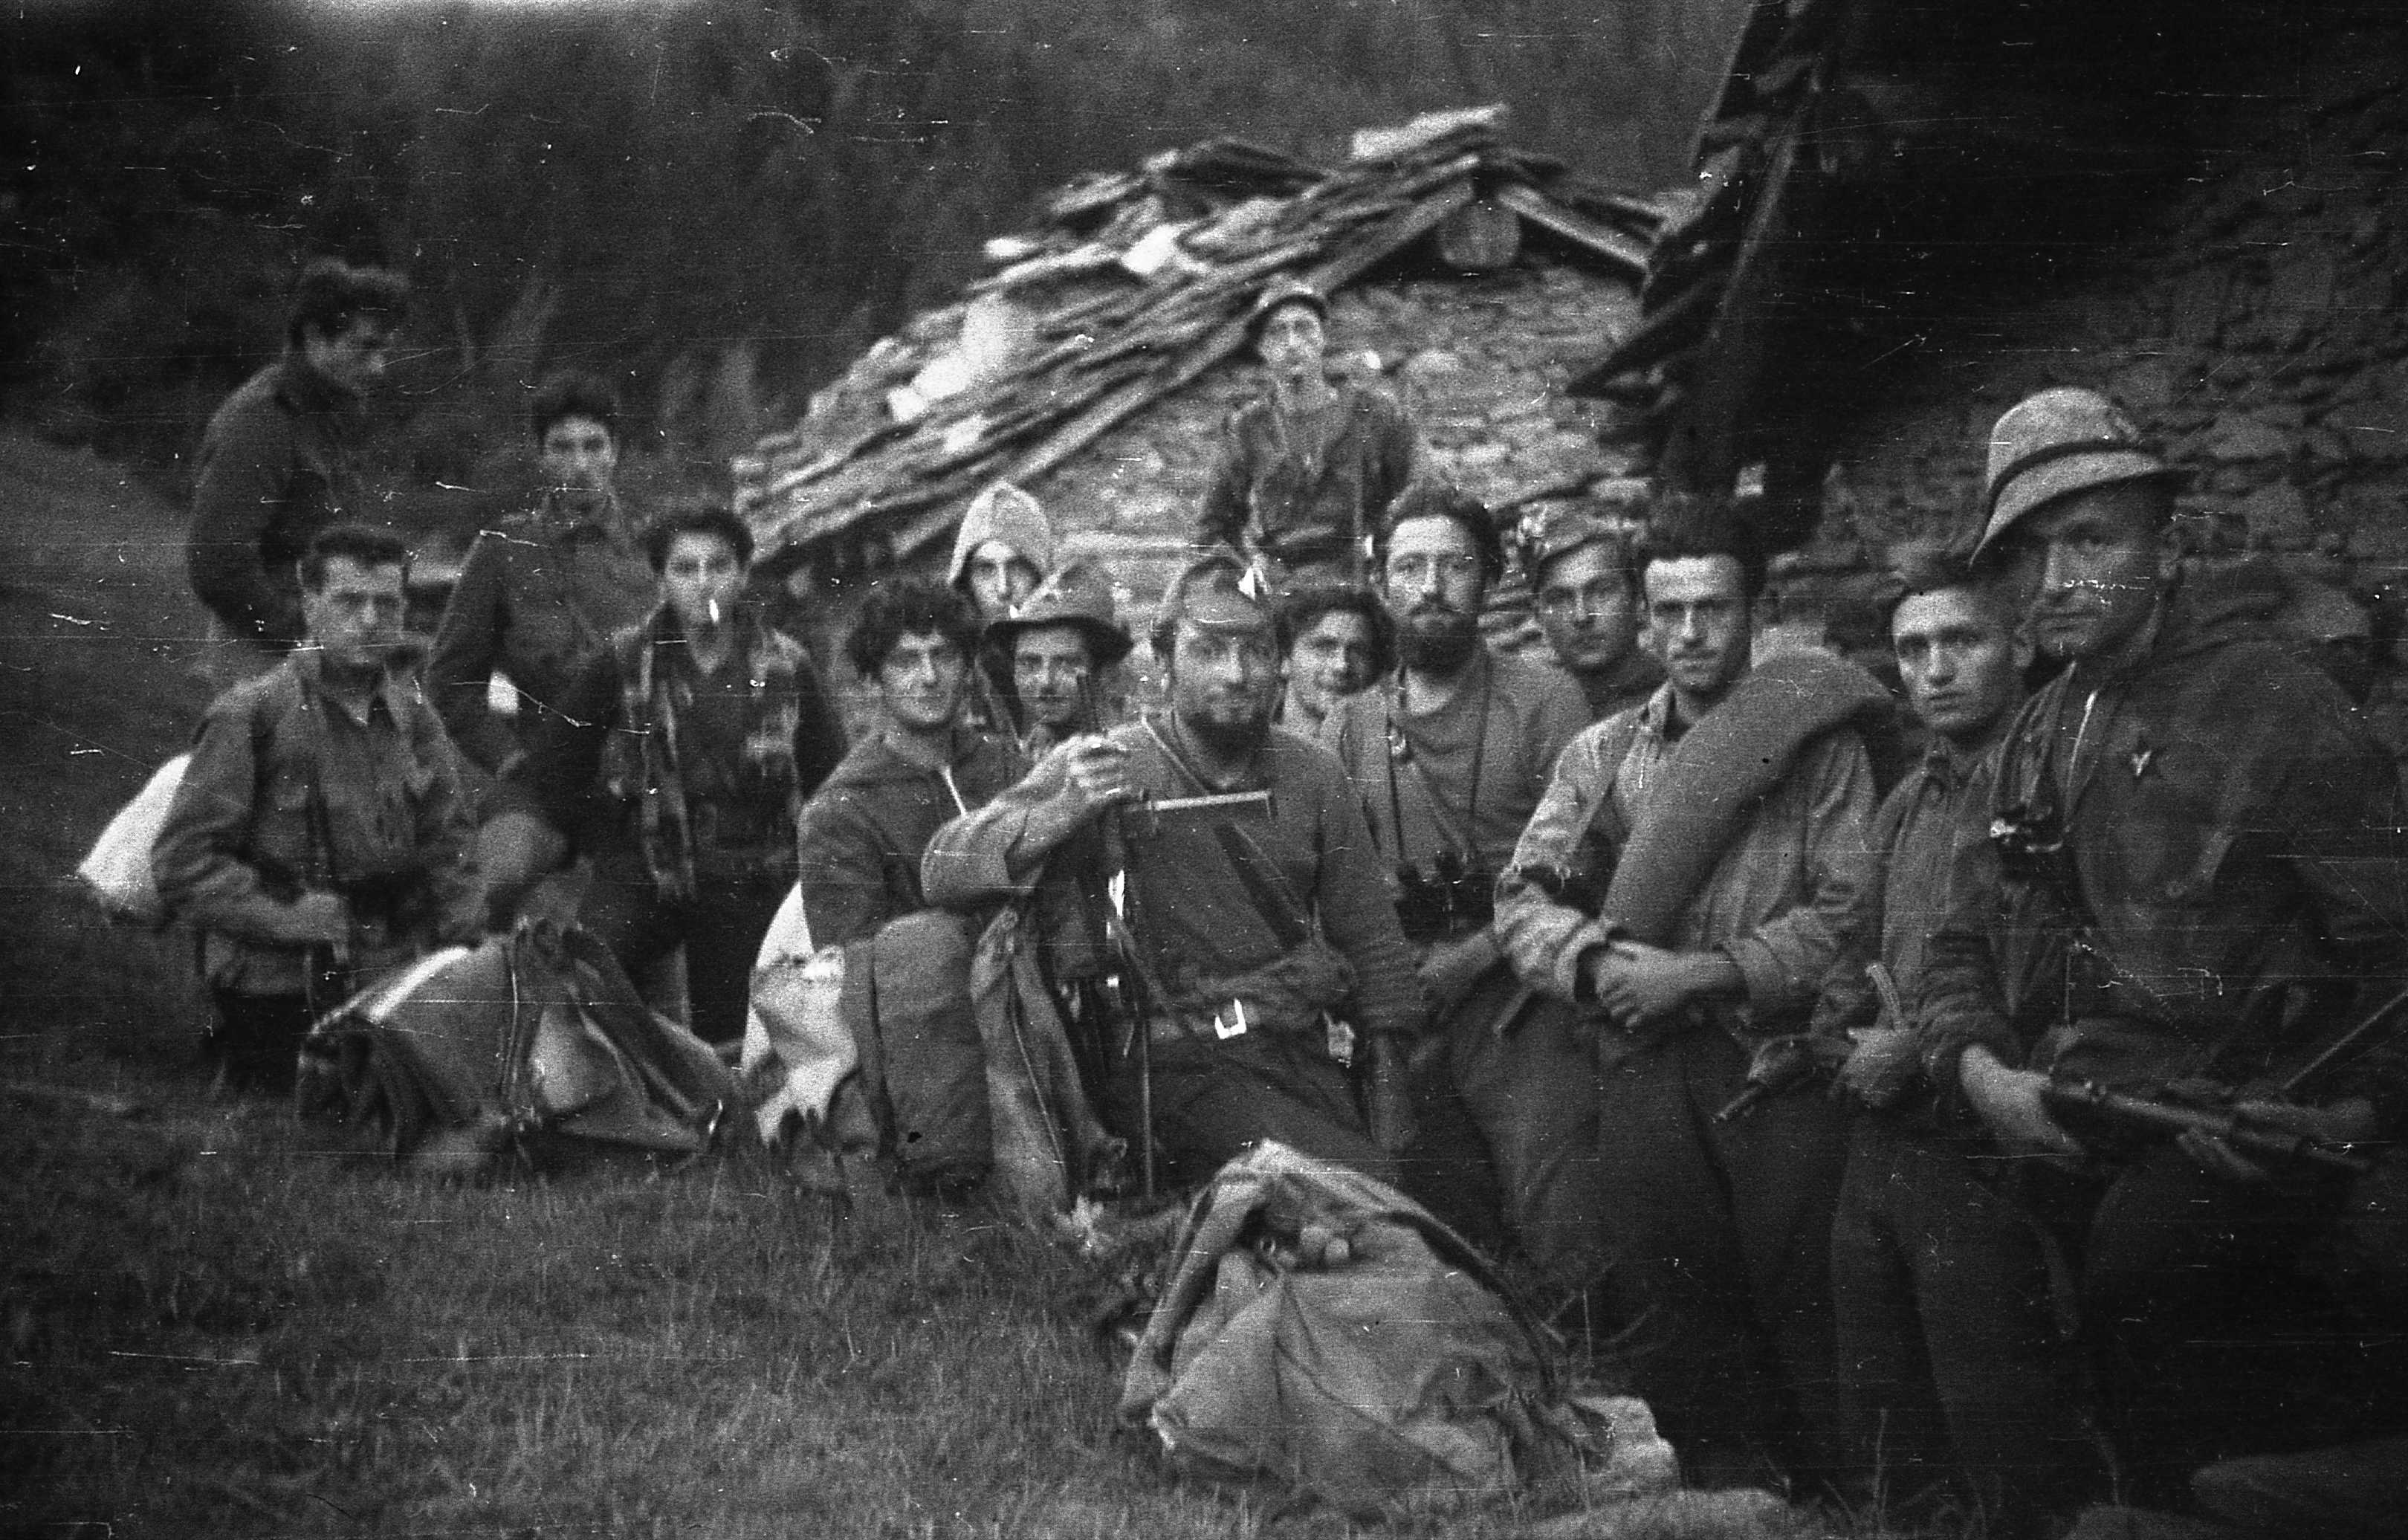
2253	325
1481	363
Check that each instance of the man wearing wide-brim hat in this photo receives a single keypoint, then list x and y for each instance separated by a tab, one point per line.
2193	870
1239	925
1061	643
1305	471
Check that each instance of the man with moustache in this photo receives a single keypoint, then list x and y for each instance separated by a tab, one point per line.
1688	878
544	590
1448	759
1584	590
680	760
2189	869
278	462
1239	927
320	833
1306	471
1062	642
1951	1373
1335	640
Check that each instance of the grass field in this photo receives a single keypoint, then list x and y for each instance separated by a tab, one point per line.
216	1326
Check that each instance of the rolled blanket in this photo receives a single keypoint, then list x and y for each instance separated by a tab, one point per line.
1727	763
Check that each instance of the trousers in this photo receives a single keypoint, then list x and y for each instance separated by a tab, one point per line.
1522	1072
1717	1252
1213	1099
1950	1361
258	1038
721	928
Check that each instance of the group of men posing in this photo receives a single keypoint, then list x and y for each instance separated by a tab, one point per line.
1507	934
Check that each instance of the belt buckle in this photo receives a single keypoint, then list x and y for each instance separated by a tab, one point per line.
1233	1024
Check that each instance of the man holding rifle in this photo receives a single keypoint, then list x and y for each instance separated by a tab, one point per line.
2189	876
1215	873
1952	1369
322	832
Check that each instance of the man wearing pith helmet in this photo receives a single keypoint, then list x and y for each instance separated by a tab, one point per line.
2189	869
1306	470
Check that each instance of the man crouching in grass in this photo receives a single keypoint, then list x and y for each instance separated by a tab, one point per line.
906	965
321	834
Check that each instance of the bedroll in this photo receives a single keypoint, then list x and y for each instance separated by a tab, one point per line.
468	1052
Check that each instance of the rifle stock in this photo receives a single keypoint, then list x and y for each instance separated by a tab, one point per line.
2150	1116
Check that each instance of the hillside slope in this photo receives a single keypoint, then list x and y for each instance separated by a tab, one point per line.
97	632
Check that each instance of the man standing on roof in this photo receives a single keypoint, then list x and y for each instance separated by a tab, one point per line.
544	590
1062	642
680	761
278	462
1584	587
2189	870
320	833
1334	639
1236	928
1306	471
1002	551
1448	759
1689	877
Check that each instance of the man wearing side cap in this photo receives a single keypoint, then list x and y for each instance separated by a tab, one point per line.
1239	927
1307	470
1584	587
1061	643
2189	869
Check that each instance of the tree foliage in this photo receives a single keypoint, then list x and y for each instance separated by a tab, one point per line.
722	201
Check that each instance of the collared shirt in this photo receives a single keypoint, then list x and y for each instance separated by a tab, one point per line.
1776	902
1915	834
739	825
1627	683
1308	490
290	789
276	465
541	593
1201	919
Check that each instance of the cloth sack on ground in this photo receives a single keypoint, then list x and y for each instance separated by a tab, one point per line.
452	1058
118	870
1322	1332
1048	1140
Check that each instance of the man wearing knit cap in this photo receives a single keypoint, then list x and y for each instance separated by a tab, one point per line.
1306	470
1584	587
2189	869
1061	643
1002	551
1239	927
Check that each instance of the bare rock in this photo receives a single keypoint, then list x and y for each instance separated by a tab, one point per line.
2277	517
2241	437
2374	430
